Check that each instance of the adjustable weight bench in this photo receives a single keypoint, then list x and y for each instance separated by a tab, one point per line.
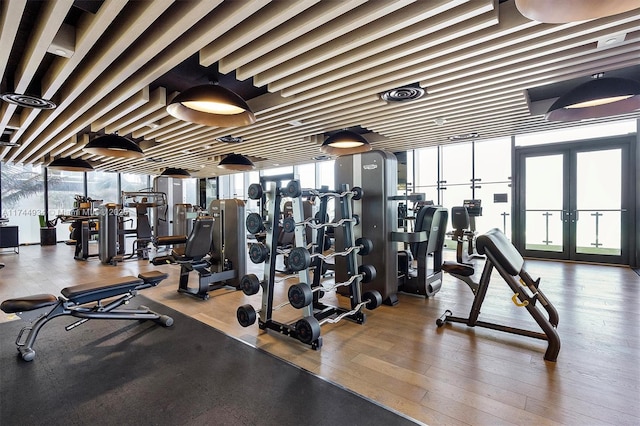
41	308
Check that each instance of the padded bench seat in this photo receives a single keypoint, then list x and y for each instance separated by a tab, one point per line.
90	292
170	240
29	303
456	268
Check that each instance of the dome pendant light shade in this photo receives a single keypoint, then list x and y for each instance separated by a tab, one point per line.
70	165
600	97
114	146
176	173
345	142
211	105
236	162
559	12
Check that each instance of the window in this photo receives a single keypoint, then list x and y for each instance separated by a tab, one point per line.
103	186
63	187
23	199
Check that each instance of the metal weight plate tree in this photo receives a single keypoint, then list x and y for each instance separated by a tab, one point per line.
304	295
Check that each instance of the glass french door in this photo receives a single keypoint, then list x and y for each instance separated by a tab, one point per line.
572	202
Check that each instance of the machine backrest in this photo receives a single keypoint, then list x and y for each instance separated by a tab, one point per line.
495	242
432	220
199	240
459	218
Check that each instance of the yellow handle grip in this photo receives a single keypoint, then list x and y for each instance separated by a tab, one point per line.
514	299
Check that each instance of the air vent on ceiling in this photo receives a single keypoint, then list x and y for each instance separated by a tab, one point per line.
27	101
154	159
8	143
408	93
230	139
464	136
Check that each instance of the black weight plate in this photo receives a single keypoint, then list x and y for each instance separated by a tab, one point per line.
293	189
299	259
250	284
368	273
366	246
308	329
258	252
255	191
288	224
300	295
254	223
374	299
246	315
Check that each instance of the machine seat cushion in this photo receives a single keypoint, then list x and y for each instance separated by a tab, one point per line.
28	303
92	292
456	268
501	248
169	240
153	277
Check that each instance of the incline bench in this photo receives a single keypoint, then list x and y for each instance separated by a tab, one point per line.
41	308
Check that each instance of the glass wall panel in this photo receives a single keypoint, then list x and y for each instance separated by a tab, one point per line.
592	131
426	172
23	200
190	191
103	186
599	201
306	173
133	183
544	203
63	188
492	160
326	176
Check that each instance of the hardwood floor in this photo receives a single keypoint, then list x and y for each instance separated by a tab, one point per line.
454	375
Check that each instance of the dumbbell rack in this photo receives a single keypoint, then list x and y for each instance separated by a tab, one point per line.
314	312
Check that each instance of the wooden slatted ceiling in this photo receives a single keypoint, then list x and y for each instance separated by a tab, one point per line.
324	64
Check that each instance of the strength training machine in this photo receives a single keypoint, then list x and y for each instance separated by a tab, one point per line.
502	255
84	302
215	249
306	293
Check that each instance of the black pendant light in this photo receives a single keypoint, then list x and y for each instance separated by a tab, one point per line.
345	142
114	146
70	164
176	173
560	12
236	162
600	97
211	105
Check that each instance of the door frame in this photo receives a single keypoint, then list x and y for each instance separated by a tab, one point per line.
628	226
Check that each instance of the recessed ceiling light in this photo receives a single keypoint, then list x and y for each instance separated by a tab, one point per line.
440	121
295	123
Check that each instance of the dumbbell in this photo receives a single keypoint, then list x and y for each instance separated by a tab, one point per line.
308	328
288	224
258	252
254	223
292	189
250	284
300	258
255	191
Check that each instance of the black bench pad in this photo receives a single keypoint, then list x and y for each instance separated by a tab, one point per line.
153	277
28	303
170	240
458	269
91	292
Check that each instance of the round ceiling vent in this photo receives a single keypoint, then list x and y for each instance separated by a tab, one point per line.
27	101
230	139
403	94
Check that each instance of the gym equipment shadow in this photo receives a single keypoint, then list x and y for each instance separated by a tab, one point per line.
116	372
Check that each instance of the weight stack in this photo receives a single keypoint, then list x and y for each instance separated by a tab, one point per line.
376	172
